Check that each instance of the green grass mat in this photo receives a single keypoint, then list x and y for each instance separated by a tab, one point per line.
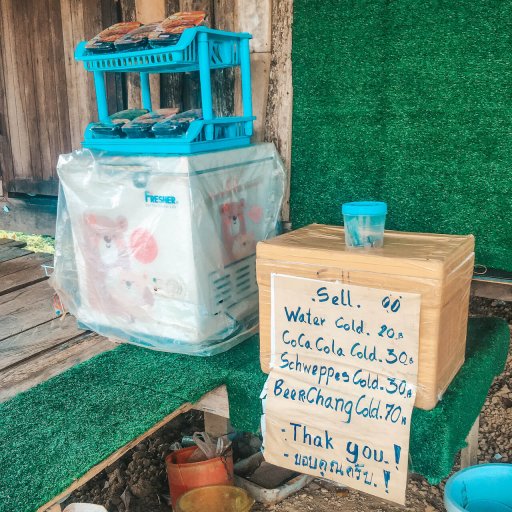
438	435
54	433
406	102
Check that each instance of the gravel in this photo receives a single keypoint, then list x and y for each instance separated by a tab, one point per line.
138	482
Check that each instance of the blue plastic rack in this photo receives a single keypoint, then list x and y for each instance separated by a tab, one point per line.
198	49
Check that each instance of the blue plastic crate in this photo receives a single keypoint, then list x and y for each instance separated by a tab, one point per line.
198	49
228	132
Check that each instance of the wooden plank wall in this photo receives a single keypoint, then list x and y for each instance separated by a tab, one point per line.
37	103
278	120
47	98
270	21
5	145
80	19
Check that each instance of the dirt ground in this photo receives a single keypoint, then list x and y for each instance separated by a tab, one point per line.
138	482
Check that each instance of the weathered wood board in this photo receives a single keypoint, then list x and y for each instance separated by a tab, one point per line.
26	275
260	72
280	91
33	215
6	166
12	242
33	260
47	364
34	341
35	344
82	20
11	250
23	309
37	102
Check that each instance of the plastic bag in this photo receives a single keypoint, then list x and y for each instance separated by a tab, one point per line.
209	447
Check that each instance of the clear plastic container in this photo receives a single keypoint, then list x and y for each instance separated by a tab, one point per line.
364	224
112	128
141	126
169	30
176	125
136	39
104	41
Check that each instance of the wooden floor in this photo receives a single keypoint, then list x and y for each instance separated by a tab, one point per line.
35	344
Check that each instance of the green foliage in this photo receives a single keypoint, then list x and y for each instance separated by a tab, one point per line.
36	243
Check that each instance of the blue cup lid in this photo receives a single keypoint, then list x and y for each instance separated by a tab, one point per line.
364	208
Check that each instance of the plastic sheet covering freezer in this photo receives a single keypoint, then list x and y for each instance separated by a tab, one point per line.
160	250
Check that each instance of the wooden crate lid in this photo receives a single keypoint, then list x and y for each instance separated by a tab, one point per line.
411	254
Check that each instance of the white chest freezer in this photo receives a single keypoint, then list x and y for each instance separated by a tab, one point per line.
160	250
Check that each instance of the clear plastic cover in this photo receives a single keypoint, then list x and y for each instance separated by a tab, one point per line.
159	251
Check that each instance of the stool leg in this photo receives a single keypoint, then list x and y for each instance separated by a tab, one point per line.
468	455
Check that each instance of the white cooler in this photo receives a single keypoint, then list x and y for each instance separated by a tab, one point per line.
160	250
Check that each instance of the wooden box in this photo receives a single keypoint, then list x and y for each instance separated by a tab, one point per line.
439	267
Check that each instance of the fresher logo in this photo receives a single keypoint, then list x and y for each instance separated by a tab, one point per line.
155	199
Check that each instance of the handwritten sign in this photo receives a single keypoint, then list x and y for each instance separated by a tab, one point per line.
342	384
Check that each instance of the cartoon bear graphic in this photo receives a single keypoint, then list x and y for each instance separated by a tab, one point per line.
113	286
136	295
106	255
237	242
107	239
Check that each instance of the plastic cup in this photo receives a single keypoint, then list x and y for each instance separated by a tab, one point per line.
364	224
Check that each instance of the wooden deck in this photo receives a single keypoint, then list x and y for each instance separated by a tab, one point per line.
35	344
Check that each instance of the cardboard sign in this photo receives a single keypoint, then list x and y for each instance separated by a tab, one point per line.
343	382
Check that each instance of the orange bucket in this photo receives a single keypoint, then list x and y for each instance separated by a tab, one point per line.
184	475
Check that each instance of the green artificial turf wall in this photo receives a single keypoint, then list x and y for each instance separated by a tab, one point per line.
54	433
407	102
